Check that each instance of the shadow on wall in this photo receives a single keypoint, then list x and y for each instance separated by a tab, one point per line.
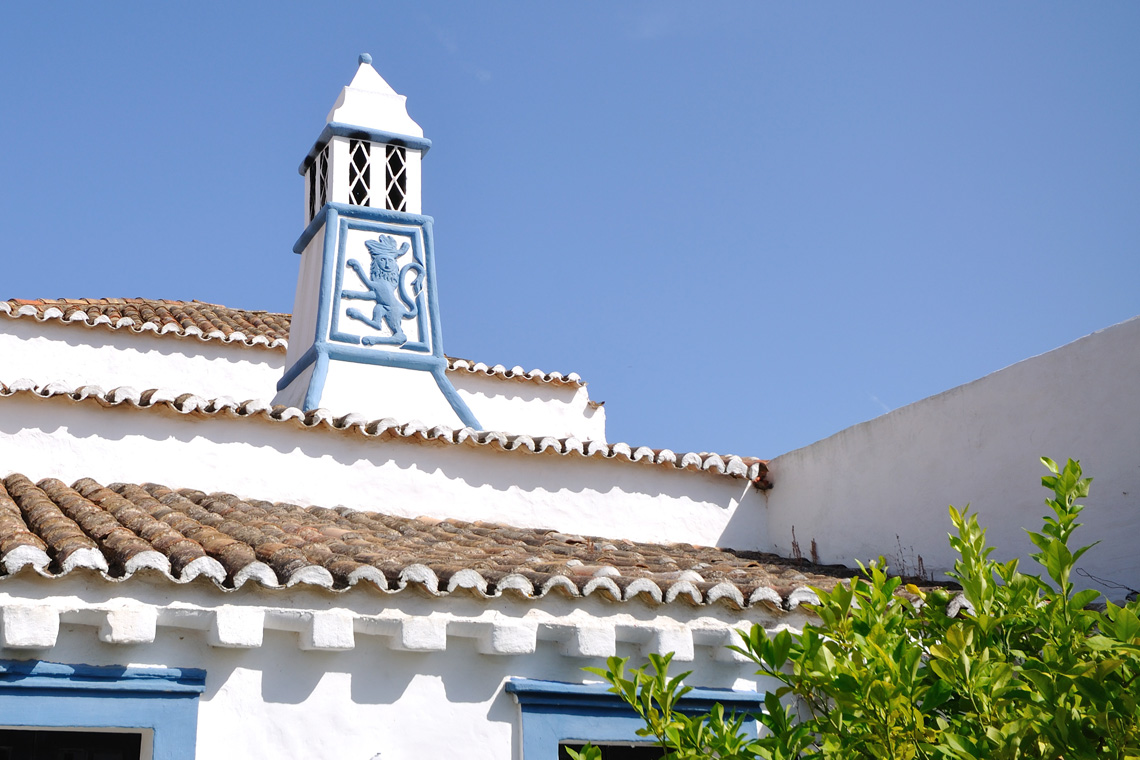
280	461
526	391
100	337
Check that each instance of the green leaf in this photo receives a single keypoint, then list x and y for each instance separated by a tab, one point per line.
1126	625
781	645
1100	643
1082	599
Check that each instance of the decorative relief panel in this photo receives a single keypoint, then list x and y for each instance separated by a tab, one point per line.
381	297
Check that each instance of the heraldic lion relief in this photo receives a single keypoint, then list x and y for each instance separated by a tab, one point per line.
386	283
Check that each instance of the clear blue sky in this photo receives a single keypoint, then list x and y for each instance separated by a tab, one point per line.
748	225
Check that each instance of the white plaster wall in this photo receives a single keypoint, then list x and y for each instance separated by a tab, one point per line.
74	355
531	408
274	700
283	461
885	485
338	170
369	101
414	185
303	324
379	392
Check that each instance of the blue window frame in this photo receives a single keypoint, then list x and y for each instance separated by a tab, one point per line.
554	713
161	702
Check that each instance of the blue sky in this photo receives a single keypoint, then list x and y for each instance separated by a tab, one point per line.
747	225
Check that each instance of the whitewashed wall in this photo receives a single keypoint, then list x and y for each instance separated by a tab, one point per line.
883	487
284	461
47	352
532	408
75	355
360	696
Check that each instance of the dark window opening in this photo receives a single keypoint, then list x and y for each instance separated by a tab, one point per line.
323	178
358	171
68	745
397	176
312	191
615	751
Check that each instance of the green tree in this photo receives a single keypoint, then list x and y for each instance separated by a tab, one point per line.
1015	665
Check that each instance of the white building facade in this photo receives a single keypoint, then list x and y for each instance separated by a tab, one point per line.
237	534
227	533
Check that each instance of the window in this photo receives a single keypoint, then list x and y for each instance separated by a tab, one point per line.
616	751
69	745
397	178
105	713
322	167
358	171
559	715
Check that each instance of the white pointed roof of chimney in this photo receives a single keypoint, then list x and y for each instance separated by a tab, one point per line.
368	101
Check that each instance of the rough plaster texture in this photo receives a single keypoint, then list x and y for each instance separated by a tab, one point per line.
355	675
532	408
378	392
75	355
882	487
256	459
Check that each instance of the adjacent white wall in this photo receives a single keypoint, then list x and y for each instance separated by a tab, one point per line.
882	487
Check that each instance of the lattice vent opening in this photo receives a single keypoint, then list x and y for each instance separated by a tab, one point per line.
396	185
359	171
322	166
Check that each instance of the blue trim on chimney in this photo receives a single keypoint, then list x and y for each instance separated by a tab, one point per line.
360	212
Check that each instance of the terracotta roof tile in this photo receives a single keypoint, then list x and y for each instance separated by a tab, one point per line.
183	318
123	528
208	321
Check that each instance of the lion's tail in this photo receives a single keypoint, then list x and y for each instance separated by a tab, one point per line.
410	301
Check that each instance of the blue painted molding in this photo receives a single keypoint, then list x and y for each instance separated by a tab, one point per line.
322	353
37	674
597	696
360	355
163	701
458	405
340	129
555	712
360	212
298	367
